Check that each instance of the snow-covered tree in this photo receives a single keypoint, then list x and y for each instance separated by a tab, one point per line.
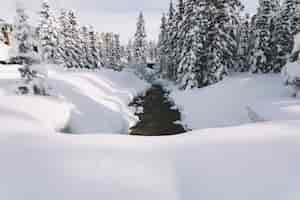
33	80
286	26
48	34
174	37
171	42
152	52
140	42
208	41
162	45
23	35
108	49
116	50
222	36
86	60
129	52
296	17
261	55
94	49
244	45
69	48
192	70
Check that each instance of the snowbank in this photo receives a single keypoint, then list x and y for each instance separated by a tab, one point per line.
250	162
100	99
44	111
4	52
228	103
91	102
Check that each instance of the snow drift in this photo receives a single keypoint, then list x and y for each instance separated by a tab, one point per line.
258	161
90	102
228	102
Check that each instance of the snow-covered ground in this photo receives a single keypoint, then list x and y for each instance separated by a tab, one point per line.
253	161
86	102
258	161
235	100
4	52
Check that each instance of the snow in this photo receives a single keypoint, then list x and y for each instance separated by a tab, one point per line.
4	52
48	112
228	102
291	71
250	161
85	101
259	161
100	99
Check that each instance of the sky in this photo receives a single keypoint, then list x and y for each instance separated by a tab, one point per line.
117	16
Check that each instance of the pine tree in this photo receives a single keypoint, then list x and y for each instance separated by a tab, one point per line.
70	49
99	46
296	18
94	50
176	42
261	55
48	35
128	52
140	43
208	39
63	36
222	36
23	34
283	34
86	60
152	52
170	43
116	50
162	45
192	69
108	50
33	81
244	45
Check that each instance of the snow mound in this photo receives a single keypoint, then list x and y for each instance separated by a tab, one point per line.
258	161
100	99
44	111
291	71
4	51
228	103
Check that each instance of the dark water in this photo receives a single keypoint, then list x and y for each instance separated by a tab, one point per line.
158	117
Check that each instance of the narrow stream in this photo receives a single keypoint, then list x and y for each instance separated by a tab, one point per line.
157	114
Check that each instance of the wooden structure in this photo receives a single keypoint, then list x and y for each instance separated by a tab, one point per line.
6	30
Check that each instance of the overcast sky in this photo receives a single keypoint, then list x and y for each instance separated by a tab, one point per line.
109	15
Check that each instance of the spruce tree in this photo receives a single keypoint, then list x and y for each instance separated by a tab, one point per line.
48	34
296	18
140	42
170	43
162	46
208	39
116	50
283	34
262	55
86	60
108	50
222	37
23	34
192	69
128	52
244	45
94	50
176	41
70	49
152	52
